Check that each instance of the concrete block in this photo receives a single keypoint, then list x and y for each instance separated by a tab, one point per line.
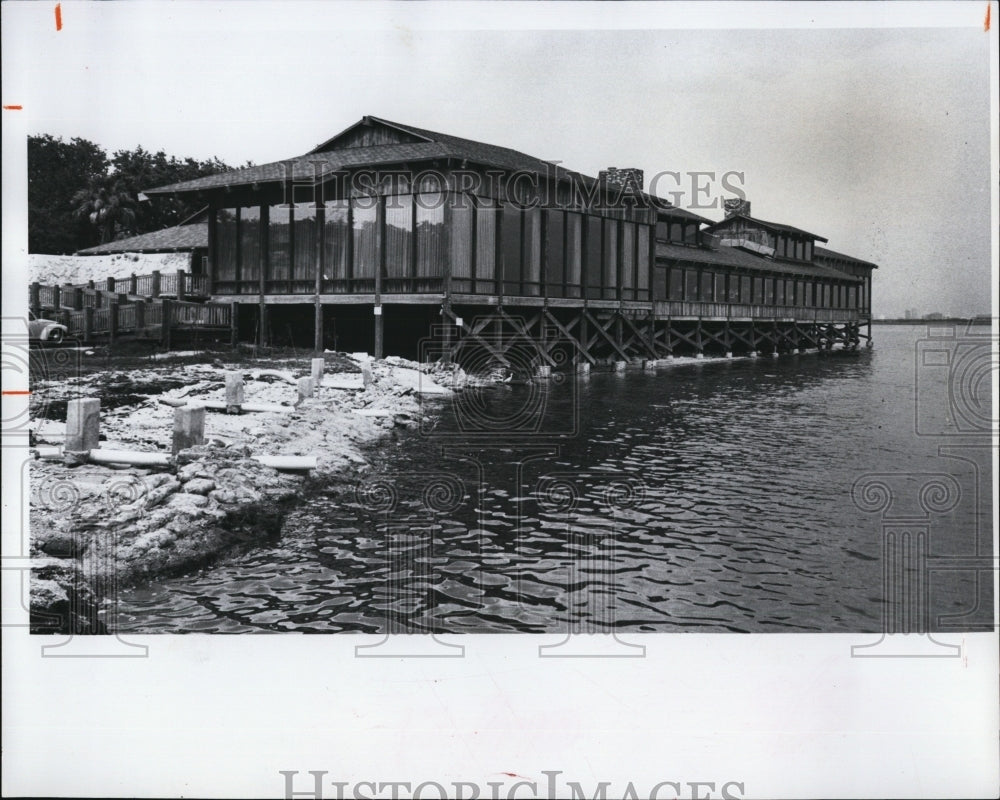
318	365
366	375
620	366
583	368
189	428
544	371
234	392
306	387
83	425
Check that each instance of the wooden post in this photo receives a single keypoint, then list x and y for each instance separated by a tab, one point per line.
261	323
35	298
55	297
112	322
140	316
166	324
180	284
83	425
378	331
88	324
234	324
318	327
109	285
446	330
189	428
133	285
154	289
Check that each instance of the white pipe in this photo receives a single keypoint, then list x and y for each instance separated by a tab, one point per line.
130	457
288	462
218	405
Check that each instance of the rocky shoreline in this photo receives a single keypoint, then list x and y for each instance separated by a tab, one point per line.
96	528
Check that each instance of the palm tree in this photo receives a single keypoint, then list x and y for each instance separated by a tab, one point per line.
109	206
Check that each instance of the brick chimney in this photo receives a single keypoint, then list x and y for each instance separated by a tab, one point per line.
620	178
736	205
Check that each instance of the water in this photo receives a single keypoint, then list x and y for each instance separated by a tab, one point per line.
710	497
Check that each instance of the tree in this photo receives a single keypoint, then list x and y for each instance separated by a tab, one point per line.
56	169
109	206
78	197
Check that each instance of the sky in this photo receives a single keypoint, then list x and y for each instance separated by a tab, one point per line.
877	138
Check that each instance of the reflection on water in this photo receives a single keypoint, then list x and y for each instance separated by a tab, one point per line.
715	496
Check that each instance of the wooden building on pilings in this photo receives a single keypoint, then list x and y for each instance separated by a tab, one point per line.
395	239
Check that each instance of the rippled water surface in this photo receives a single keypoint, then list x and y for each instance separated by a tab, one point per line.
715	496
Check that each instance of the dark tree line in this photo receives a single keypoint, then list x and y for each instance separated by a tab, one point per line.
78	197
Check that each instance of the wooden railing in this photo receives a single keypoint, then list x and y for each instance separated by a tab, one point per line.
145	318
212	315
97	294
685	308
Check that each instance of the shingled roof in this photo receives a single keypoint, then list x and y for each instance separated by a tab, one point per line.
735	257
775	226
824	254
327	159
179	237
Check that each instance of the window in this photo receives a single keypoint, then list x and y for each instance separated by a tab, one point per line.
532	221
720	287
610	275
642	260
707	287
462	219
486	248
758	291
734	288
779	292
365	237
592	257
398	238
250	243
745	289
676	284
511	249
554	251
628	260
574	254
226	233
430	235
279	243
769	291
690	284
304	230
335	240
